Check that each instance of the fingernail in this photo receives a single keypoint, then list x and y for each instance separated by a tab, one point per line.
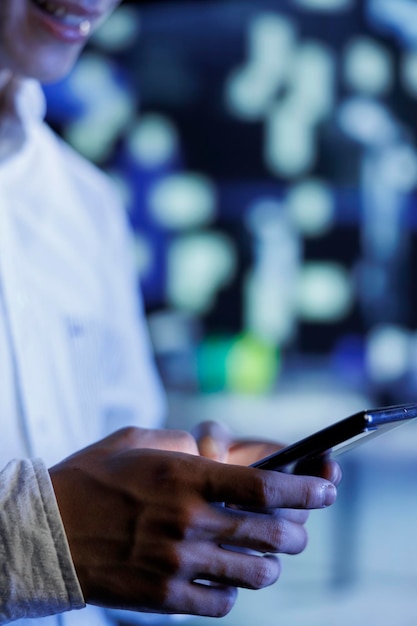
329	495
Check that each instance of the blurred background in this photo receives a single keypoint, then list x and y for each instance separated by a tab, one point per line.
266	153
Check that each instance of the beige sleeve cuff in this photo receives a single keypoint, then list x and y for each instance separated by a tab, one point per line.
37	575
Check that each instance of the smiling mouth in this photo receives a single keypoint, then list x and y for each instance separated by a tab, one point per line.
65	16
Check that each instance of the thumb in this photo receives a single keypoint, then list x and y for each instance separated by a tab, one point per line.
213	440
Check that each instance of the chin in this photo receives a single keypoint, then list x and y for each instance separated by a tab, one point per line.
48	66
51	74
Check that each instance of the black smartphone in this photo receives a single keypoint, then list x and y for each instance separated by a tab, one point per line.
340	436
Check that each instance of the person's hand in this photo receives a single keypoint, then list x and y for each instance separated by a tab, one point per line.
215	441
146	526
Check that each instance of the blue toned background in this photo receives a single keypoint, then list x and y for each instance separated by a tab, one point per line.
266	151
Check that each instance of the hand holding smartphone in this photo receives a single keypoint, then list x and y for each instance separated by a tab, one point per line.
341	436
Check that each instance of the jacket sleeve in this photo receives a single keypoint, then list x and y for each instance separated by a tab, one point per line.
37	575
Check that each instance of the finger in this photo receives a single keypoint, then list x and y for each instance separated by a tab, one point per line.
250	487
171	440
206	600
260	532
263	533
168	537
213	440
242	570
295	515
244	452
210	562
333	472
132	437
321	466
206	560
299	516
166	594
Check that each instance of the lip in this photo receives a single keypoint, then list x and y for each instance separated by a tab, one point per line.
60	29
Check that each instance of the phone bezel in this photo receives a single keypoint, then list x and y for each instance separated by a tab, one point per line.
340	436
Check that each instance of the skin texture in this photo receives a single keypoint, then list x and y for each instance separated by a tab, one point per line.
28	49
217	442
141	508
169	529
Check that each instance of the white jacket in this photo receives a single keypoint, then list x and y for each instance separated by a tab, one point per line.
75	361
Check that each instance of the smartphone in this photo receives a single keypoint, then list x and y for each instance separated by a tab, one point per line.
340	436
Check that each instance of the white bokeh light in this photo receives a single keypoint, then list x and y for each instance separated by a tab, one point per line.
387	353
399	168
311	207
120	30
368	67
198	266
290	148
367	121
153	140
183	201
108	108
249	92
251	88
325	292
272	41
312	85
325	5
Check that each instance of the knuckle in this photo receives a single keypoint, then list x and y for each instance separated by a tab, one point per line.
186	441
279	536
174	474
309	496
263	490
287	537
164	474
186	521
173	561
131	435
